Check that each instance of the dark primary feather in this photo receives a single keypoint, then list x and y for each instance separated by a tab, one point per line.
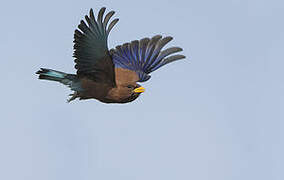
91	53
145	56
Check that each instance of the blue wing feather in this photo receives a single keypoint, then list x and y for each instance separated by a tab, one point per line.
145	56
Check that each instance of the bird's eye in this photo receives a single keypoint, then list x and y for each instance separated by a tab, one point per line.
130	86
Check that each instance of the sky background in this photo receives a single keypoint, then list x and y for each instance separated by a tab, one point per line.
217	115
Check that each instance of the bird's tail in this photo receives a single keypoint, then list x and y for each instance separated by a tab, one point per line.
52	75
70	80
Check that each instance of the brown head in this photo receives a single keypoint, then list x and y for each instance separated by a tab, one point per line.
126	89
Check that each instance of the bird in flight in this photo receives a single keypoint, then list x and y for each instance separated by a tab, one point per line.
111	76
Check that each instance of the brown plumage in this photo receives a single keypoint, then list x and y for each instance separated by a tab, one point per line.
111	76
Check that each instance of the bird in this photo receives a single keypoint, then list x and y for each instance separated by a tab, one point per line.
110	76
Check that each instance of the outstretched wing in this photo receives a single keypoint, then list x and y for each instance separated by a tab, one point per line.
91	53
145	56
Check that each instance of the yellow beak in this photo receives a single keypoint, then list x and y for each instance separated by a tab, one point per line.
139	90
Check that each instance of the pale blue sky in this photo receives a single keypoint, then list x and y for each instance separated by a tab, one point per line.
218	115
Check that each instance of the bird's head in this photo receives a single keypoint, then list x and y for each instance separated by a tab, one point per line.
130	92
126	89
126	92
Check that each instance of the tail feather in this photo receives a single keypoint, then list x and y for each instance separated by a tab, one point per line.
70	80
50	74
